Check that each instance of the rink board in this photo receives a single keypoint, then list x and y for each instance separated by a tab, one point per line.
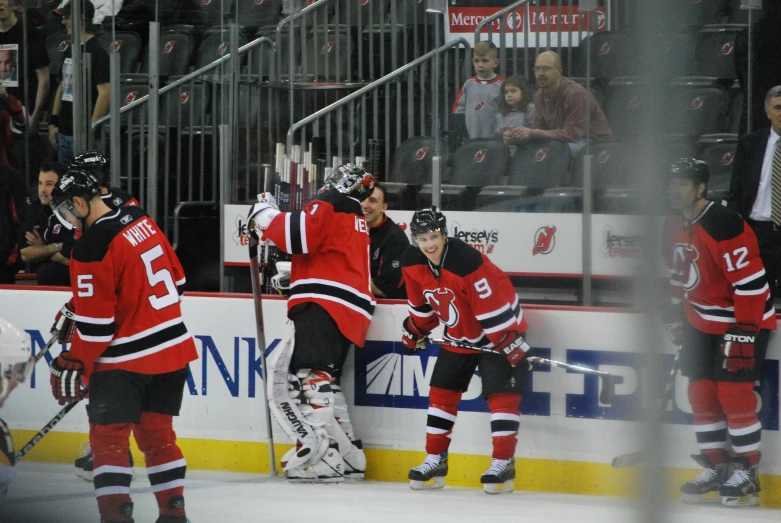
568	438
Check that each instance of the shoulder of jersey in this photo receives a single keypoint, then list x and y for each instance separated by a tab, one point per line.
340	202
462	260
395	230
722	223
94	244
412	256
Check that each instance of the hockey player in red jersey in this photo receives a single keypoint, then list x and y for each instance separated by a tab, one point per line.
128	343
331	306
449	282
722	315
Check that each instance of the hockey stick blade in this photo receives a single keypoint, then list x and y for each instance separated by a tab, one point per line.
628	460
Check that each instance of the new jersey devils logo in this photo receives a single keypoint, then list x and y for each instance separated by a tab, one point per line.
544	240
479	106
606	47
727	48
327	48
130	97
184	97
63	46
222	48
697	103
420	154
541	154
169	46
442	301
727	159
604	157
684	265
479	156
115	46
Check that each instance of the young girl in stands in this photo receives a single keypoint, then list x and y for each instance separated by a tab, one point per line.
515	107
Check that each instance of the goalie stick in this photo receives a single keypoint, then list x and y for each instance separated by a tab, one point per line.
633	458
257	290
608	387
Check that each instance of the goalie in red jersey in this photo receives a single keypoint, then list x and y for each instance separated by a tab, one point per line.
331	305
450	282
721	314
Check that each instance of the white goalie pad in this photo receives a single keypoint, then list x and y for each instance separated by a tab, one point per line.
313	439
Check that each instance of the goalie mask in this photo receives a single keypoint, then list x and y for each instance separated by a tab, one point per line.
15	359
75	182
351	180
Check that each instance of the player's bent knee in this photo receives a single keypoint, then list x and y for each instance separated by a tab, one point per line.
438	396
737	398
703	396
154	431
504	402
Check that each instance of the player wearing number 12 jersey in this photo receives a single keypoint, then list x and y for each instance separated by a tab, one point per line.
721	314
449	282
128	343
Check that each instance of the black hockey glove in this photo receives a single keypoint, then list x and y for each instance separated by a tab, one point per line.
66	379
413	338
738	347
65	323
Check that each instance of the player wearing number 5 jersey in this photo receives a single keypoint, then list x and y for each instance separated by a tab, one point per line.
128	342
449	282
721	314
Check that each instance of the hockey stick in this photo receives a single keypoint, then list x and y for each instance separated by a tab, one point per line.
46	429
608	387
633	458
257	297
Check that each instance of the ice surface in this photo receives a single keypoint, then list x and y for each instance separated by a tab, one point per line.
46	493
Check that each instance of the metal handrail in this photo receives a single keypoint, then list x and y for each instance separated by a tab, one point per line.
370	87
498	14
186	78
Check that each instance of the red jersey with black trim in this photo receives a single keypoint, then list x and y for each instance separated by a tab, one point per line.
329	241
716	272
127	283
468	293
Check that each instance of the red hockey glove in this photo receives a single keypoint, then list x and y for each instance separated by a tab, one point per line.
412	338
738	347
65	323
66	379
513	347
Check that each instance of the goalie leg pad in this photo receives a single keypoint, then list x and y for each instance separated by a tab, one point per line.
311	444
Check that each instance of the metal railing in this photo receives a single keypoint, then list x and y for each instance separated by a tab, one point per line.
525	20
363	122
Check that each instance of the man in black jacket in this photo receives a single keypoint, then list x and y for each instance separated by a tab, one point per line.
388	242
755	187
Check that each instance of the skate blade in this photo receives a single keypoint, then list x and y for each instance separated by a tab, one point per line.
354	476
433	484
338	479
752	500
697	499
499	488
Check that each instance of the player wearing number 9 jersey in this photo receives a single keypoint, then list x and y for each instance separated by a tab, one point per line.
721	313
449	282
127	341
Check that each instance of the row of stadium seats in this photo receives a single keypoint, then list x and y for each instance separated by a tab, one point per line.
695	13
483	173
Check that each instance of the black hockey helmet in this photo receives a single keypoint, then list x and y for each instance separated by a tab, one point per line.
428	220
75	182
94	162
351	180
691	169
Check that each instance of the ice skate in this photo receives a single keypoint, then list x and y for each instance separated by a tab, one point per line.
742	488
709	480
431	474
355	462
499	478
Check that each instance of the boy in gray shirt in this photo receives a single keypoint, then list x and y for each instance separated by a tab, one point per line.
477	98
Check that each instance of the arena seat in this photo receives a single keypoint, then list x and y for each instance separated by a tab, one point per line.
609	165
127	43
716	51
693	13
186	105
696	108
360	14
252	13
214	46
718	151
176	50
626	107
56	47
410	169
610	56
328	57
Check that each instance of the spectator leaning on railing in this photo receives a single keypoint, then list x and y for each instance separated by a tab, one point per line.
47	241
560	109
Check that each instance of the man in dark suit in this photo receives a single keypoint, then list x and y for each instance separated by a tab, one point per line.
755	187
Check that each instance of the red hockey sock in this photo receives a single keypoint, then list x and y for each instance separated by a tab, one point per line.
709	422
505	421
111	470
745	430
164	461
442	410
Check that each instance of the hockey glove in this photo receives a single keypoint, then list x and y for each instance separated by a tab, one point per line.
513	347
263	212
66	379
738	347
413	338
65	323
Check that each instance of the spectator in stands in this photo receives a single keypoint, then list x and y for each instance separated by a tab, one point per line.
560	108
757	169
14	208
388	243
477	98
61	120
103	9
515	108
765	70
47	242
11	33
12	121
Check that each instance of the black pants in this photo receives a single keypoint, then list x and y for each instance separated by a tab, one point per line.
319	344
769	239
453	371
53	273
701	357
